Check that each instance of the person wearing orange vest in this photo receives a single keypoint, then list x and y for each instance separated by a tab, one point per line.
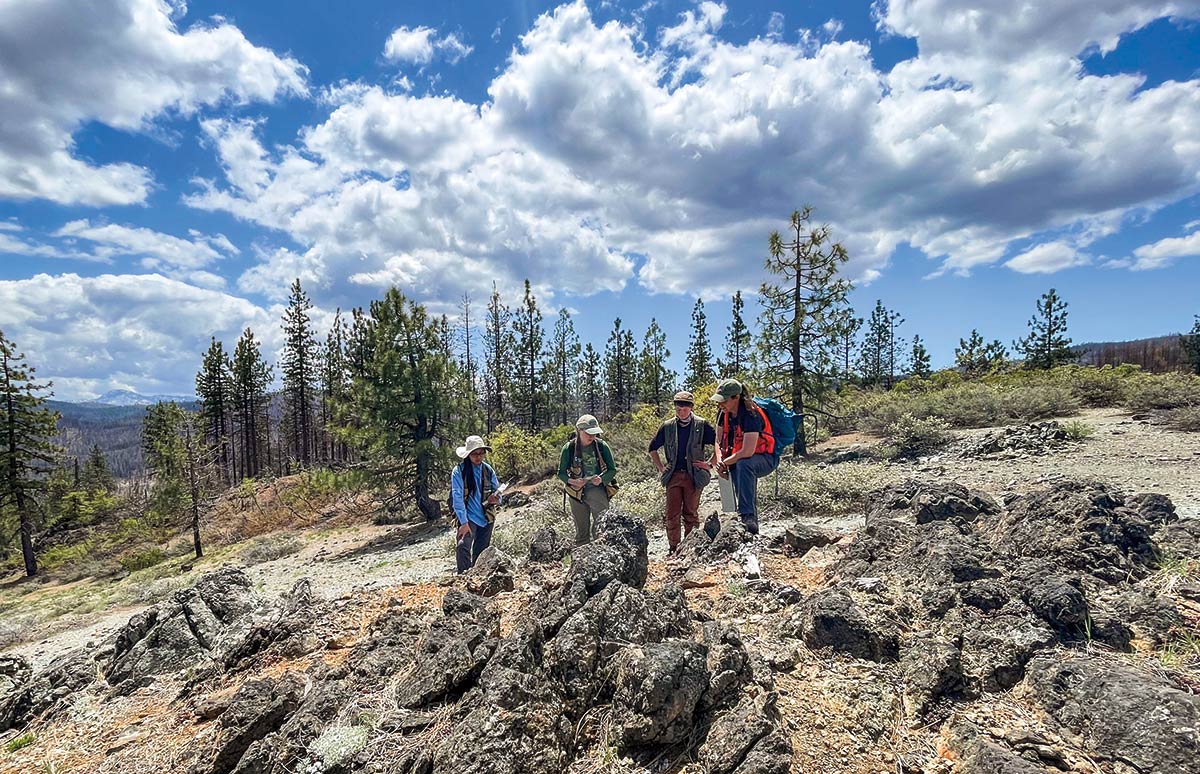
745	447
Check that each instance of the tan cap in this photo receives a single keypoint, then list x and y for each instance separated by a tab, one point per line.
683	396
588	424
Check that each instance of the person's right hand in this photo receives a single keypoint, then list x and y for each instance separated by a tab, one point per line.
463	531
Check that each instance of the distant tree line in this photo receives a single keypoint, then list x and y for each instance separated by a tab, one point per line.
391	389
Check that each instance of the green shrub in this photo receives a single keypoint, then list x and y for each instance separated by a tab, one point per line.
140	560
519	454
338	744
824	491
1163	391
24	740
913	437
270	547
1078	431
1185	418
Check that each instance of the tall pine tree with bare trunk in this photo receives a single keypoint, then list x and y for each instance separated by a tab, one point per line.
251	378
699	358
214	387
299	369
561	370
737	342
799	313
26	445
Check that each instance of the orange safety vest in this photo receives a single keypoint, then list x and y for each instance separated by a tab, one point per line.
766	439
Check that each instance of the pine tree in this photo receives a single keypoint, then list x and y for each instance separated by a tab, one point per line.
920	359
895	348
528	400
406	414
874	350
562	366
699	353
656	382
215	389
737	342
166	458
96	476
975	358
498	348
620	370
798	314
1047	344
26	444
334	382
251	378
466	337
846	330
1190	343
591	388
299	370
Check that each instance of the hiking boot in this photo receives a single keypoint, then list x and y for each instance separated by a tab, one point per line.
751	524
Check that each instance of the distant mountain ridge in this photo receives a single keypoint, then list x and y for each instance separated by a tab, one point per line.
131	398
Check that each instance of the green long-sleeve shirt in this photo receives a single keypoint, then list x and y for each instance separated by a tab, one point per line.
585	458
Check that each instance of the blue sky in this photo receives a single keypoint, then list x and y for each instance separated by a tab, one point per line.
166	168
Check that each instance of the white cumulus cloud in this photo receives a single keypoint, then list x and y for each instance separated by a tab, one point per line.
419	45
122	63
143	332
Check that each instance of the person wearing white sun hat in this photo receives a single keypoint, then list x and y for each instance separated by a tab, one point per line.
473	485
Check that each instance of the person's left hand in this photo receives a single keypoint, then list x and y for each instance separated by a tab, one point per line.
495	498
595	480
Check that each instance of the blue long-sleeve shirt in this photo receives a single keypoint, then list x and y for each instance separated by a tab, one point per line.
473	509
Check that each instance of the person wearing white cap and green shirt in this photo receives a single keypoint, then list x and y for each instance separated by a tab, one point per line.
745	446
586	467
472	484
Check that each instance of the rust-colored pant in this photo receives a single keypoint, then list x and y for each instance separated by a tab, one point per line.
683	502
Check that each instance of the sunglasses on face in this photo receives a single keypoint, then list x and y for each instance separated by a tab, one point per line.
682	404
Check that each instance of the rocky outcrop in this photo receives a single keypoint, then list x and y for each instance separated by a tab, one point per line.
1124	714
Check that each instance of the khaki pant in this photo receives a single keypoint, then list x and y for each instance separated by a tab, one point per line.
587	513
683	505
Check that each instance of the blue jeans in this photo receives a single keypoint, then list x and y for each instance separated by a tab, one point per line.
745	475
468	549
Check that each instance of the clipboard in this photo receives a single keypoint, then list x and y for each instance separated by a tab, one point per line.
728	499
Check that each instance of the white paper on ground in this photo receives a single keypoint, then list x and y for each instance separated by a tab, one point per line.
728	501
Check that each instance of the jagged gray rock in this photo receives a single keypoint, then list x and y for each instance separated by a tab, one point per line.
1127	715
258	708
452	653
492	574
932	669
748	740
831	619
548	546
658	687
183	631
619	553
997	650
802	538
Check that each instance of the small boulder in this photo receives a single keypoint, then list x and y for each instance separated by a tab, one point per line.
831	619
548	546
997	650
801	538
492	574
658	687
